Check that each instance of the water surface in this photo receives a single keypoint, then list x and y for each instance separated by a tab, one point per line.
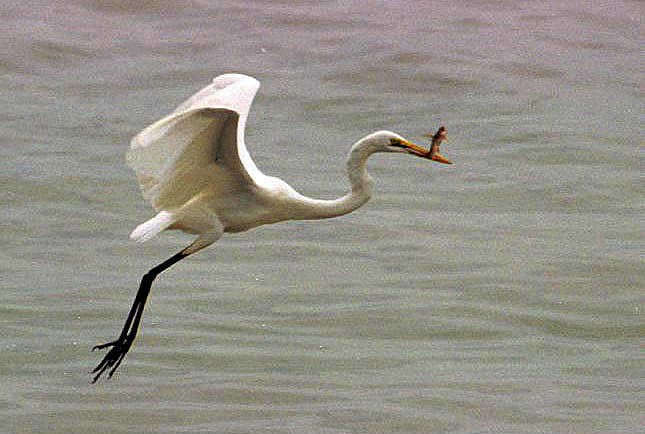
499	295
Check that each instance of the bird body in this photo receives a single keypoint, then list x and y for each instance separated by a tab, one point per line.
194	168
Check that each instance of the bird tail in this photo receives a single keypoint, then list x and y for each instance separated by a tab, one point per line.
152	227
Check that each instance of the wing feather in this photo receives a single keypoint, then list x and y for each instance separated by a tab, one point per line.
208	128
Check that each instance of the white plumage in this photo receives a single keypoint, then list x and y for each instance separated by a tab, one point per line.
195	170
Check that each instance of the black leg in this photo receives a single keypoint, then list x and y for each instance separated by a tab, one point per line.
119	348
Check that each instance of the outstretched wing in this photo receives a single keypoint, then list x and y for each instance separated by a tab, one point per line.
205	130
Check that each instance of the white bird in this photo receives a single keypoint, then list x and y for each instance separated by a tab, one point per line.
194	168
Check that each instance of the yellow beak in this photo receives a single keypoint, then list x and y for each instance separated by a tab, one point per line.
440	158
426	153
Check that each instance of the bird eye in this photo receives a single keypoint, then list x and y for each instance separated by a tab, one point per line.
396	142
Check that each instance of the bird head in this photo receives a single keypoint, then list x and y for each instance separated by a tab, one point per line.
392	142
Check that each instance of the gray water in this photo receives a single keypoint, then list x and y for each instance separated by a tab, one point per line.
503	294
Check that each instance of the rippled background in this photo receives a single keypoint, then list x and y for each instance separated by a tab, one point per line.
503	294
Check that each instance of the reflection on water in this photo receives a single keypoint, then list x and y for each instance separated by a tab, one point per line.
501	294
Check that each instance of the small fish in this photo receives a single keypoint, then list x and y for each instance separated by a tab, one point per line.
435	146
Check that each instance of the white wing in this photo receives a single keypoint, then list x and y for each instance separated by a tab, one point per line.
204	132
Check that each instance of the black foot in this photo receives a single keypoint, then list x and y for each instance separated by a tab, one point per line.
120	347
113	358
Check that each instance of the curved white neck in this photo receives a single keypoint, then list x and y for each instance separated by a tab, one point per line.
361	188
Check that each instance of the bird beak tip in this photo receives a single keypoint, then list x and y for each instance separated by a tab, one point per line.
440	158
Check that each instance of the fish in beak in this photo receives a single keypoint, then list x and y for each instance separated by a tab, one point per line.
435	152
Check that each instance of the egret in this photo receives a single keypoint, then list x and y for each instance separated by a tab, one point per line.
195	170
